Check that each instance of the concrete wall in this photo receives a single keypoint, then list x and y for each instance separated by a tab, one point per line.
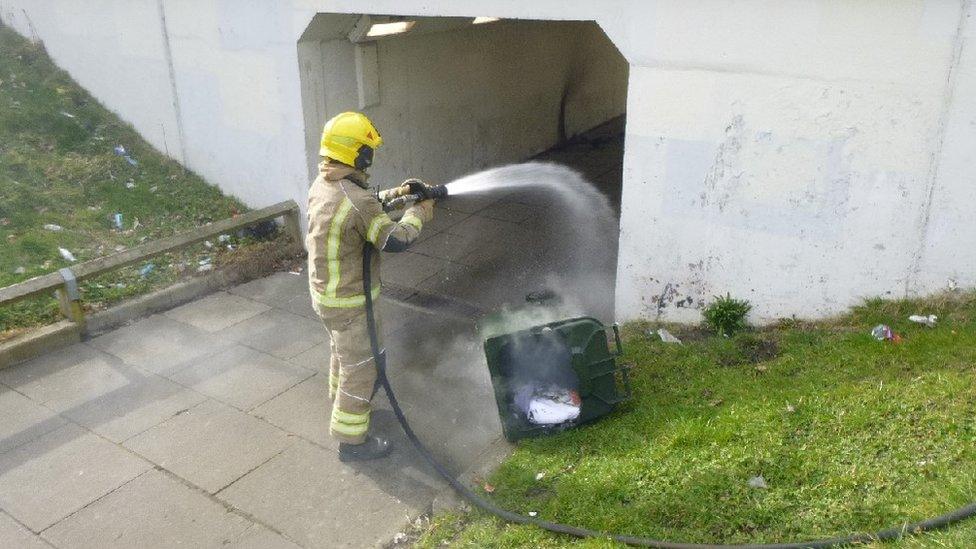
467	97
801	153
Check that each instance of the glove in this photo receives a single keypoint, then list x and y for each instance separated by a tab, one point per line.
416	186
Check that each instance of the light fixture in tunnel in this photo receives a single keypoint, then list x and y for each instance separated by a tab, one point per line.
369	28
483	20
386	29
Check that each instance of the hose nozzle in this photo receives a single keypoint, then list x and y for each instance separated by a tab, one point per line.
433	192
437	192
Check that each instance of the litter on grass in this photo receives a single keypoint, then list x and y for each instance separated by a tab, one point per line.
20	270
927	320
883	332
667	336
53	227
117	220
67	255
146	269
758	482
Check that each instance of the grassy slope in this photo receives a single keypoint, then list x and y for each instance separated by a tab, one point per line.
57	166
850	434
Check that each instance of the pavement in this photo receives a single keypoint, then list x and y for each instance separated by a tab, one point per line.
207	425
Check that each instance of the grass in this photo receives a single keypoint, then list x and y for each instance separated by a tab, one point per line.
57	166
849	433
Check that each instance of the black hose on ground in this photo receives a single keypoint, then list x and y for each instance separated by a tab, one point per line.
379	355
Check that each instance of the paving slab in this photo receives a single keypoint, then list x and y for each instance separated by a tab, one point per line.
134	407
301	305
320	502
316	359
410	269
210	445
273	290
152	510
217	311
444	219
277	333
259	537
448	246
14	535
58	473
159	344
304	409
22	420
70	377
509	211
241	376
468	203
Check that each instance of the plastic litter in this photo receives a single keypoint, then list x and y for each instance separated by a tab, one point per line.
927	320
883	332
67	255
208	243
205	268
223	238
119	150
667	336
205	261
146	269
758	482
20	270
53	227
117	220
67	114
533	513
540	476
130	185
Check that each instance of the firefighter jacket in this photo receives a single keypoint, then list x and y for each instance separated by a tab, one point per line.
342	215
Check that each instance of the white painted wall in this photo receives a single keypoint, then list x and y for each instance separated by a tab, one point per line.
801	153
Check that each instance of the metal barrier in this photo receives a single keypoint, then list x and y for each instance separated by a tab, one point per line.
65	281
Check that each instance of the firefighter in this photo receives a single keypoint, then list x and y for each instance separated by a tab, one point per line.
343	215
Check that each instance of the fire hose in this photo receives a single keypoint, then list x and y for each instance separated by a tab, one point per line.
379	356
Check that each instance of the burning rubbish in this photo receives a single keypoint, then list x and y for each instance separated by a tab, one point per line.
550	405
553	377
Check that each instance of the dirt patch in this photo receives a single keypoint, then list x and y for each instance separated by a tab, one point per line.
748	348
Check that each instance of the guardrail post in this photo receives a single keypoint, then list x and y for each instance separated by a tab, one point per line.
293	227
70	299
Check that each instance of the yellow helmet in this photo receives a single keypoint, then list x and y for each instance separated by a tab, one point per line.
350	138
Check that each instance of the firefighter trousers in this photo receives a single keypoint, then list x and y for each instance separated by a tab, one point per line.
352	374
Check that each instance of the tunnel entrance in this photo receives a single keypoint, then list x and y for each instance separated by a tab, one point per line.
455	95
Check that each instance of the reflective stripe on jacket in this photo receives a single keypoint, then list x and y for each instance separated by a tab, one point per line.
342	216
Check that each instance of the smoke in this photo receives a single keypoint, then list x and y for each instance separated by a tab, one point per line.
568	246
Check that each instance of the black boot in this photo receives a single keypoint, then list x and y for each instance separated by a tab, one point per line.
374	448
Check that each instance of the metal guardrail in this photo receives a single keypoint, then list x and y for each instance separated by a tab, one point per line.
65	282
